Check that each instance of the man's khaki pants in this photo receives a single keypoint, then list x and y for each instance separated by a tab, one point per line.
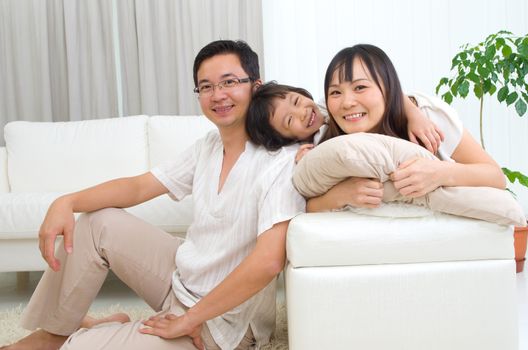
140	254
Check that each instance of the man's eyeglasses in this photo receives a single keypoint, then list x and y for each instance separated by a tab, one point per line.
206	89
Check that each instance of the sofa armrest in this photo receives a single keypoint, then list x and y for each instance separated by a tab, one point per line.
4	183
350	239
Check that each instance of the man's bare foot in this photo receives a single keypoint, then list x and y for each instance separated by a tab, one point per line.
89	322
38	340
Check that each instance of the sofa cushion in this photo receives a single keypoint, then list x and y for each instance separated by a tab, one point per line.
68	156
4	183
346	238
377	156
165	213
170	135
21	214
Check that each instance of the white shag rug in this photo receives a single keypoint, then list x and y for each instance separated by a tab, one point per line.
10	330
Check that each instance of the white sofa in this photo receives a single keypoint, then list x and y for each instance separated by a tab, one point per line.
429	281
44	160
353	281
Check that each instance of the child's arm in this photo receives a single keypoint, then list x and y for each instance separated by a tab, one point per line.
301	152
420	127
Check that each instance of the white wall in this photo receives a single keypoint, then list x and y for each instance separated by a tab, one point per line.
420	36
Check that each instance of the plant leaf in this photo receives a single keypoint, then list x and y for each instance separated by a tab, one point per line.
494	77
523	50
463	89
520	107
487	85
506	73
502	94
490	37
478	91
490	52
523	47
511	98
520	80
483	71
455	61
492	89
516	175
447	97
454	87
505	32
473	77
506	51
499	42
442	82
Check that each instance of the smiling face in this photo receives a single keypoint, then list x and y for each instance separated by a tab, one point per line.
225	107
296	117
357	105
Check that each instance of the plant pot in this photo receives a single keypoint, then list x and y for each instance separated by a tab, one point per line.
519	241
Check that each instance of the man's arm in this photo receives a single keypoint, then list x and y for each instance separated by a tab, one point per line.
120	193
254	273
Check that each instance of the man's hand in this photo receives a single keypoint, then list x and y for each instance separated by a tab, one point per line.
171	326
59	220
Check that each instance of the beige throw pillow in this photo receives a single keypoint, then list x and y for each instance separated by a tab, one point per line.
377	156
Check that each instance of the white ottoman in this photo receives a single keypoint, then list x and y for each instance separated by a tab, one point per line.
432	282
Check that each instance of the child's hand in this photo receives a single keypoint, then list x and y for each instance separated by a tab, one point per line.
430	137
171	326
302	151
419	127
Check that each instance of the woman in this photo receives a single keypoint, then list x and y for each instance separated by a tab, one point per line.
363	94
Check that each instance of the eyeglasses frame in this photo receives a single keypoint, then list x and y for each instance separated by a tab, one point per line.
219	85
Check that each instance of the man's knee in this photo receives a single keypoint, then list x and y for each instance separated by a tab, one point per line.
103	216
99	221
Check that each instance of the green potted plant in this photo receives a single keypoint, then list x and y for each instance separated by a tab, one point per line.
499	65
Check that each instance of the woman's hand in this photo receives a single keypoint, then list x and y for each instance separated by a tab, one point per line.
301	152
354	191
418	176
171	326
359	192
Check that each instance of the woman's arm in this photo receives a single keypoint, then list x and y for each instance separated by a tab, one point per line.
354	191
472	167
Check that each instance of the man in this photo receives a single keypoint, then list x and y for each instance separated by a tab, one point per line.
216	288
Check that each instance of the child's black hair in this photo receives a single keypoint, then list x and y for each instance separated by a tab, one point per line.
260	110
